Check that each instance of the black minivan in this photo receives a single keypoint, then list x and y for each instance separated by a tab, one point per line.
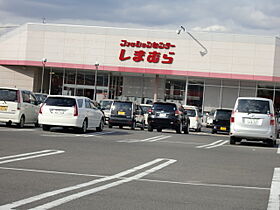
126	113
221	120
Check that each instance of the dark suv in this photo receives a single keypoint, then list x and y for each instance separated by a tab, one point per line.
165	115
126	113
221	120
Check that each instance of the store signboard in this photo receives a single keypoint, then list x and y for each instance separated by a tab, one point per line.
151	52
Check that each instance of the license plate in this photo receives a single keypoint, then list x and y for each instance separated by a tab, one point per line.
162	115
223	128
121	113
3	108
59	112
250	121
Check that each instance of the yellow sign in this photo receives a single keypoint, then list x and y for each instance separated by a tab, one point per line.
223	128
121	113
3	108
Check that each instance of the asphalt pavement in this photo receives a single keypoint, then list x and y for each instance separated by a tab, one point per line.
134	169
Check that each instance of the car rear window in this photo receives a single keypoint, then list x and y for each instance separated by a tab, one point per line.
253	106
106	105
190	112
124	107
60	101
8	95
223	114
146	108
165	107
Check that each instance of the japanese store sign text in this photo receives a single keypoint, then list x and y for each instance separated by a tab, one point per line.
149	51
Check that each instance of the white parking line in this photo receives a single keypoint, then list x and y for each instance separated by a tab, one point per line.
274	197
209	145
77	135
217	145
151	139
25	156
164	163
278	150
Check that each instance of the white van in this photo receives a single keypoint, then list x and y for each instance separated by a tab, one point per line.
253	119
18	106
194	115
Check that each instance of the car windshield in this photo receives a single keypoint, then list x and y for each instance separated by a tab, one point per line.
40	97
60	101
122	108
146	109
190	112
223	114
164	107
8	95
253	106
106	105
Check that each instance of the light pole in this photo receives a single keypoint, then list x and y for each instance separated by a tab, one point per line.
50	81
95	79
202	53
44	61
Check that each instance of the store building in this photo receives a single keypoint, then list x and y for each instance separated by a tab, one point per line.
142	65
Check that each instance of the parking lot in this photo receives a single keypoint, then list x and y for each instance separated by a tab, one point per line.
135	169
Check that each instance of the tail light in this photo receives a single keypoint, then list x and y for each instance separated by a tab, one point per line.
196	118
272	119
232	117
18	100
177	112
150	111
41	109
76	110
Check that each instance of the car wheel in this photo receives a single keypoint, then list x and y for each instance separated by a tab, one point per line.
179	128
271	143
8	123
159	129
150	128
120	126
143	126
187	129
101	126
46	127
36	124
83	129
232	140
133	125
110	126
21	122
213	131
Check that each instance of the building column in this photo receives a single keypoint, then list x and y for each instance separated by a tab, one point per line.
156	88
186	91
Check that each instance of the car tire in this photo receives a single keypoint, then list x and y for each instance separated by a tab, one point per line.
159	129
150	128
187	129
46	127
179	128
8	123
232	140
110	126
213	131
271	143
36	124
143	126
83	129
120	126
132	127
101	126
21	122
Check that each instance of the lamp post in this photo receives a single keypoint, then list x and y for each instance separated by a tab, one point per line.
95	79
202	53
44	61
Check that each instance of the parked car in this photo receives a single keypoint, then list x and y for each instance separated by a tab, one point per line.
194	116
209	119
253	119
41	97
146	108
126	113
18	106
70	111
221	120
105	106
165	115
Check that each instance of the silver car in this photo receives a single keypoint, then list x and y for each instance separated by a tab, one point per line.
253	119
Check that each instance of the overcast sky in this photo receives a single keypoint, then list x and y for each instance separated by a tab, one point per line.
228	16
